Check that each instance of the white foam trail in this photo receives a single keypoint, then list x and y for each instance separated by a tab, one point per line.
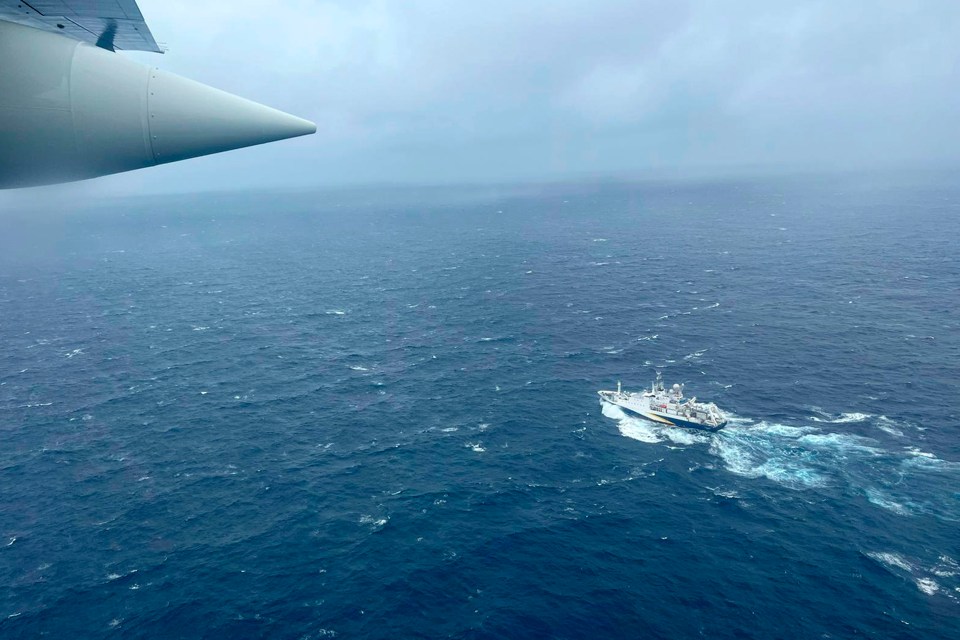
684	436
807	457
639	431
754	460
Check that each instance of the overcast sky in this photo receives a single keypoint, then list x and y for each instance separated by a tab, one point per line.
439	91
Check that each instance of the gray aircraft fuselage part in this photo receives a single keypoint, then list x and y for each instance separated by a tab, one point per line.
71	111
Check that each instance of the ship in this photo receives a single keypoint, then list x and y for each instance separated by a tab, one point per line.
666	407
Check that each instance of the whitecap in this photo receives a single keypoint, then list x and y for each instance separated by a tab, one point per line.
946	567
927	585
376	523
335	312
783	430
115	576
851	417
878	498
726	493
841	419
927	461
887	428
357	367
841	441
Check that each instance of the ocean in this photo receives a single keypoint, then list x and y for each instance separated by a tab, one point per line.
373	413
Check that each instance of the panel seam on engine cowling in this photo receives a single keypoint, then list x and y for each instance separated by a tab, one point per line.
151	138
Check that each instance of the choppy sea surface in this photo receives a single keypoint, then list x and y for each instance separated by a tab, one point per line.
352	414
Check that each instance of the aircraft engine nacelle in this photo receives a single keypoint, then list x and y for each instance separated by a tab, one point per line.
70	111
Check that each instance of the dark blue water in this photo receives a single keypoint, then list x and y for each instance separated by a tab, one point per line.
375	414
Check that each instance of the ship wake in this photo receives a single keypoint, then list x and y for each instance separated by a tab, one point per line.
901	479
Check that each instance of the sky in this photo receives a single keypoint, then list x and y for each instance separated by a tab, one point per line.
431	91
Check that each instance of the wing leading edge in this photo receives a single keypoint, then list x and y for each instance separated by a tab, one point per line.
109	24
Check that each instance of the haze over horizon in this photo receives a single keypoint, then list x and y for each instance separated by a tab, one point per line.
430	93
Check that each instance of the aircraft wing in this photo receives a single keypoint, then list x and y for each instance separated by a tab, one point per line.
110	24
